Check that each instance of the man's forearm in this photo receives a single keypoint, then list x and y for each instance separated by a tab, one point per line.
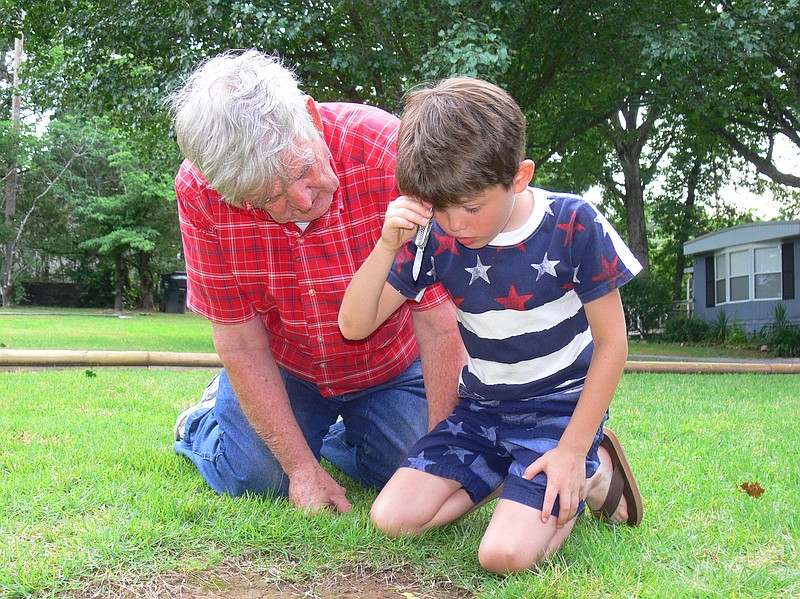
257	381
259	387
443	356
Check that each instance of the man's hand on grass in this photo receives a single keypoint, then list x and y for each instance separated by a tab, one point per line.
313	489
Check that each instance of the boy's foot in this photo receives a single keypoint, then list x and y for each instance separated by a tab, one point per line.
621	501
208	400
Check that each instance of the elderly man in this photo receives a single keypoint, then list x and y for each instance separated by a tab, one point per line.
280	201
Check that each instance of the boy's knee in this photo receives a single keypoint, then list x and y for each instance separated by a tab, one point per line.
501	558
392	520
385	518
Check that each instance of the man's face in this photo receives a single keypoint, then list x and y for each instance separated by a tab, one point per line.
309	191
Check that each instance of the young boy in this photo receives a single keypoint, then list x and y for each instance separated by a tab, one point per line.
534	276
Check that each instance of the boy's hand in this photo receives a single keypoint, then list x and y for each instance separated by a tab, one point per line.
403	216
566	479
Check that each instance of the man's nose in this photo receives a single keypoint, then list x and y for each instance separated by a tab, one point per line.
301	197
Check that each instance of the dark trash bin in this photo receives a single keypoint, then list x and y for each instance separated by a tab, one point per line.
174	292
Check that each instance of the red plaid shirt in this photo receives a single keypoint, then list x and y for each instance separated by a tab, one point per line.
241	263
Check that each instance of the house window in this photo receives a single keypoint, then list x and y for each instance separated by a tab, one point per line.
739	281
722	278
746	273
767	271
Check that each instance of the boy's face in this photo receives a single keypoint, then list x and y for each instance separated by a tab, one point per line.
476	220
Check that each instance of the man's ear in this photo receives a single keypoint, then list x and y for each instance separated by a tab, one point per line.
524	175
311	106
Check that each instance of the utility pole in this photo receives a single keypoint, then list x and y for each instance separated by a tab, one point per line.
11	180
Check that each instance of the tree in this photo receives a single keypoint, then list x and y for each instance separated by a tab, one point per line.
615	93
738	64
10	176
125	212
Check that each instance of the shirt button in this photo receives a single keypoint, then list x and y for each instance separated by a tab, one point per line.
320	339
312	292
323	365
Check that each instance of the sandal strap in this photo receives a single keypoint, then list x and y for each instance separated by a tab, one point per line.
614	493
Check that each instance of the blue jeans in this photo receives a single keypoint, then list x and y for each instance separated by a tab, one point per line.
378	426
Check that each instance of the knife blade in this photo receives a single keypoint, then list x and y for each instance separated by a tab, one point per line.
421	240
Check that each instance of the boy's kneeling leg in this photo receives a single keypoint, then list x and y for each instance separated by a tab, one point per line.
517	540
414	501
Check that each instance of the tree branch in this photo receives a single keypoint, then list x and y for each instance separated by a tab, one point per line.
765	166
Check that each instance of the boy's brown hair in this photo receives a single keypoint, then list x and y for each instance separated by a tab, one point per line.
457	139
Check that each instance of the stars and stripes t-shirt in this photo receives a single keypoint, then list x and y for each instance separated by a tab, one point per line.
520	298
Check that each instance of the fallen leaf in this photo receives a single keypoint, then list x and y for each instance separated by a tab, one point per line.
753	489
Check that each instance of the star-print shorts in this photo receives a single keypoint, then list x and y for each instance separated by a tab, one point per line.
485	444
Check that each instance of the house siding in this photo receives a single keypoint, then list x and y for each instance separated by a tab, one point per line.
753	314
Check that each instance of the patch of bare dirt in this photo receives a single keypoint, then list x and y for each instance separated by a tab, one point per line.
243	581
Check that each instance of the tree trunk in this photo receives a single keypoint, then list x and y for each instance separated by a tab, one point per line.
629	138
635	219
683	230
145	282
635	222
119	284
11	185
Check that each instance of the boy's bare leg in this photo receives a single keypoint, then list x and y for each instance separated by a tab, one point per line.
517	540
414	501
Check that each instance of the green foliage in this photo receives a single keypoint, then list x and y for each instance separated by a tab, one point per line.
736	334
647	302
720	327
681	329
782	335
110	208
467	48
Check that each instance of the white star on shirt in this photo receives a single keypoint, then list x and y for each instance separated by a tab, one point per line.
545	266
489	433
479	271
547	208
575	274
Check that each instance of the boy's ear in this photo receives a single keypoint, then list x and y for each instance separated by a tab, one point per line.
524	175
311	106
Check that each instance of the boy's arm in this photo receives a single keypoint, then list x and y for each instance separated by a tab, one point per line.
369	299
565	465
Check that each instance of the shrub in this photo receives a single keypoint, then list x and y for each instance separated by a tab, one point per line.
681	329
718	329
782	335
736	335
647	302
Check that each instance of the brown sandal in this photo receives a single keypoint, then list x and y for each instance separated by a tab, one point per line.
622	483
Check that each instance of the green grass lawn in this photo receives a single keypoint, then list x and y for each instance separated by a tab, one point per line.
92	494
82	329
691	352
98	330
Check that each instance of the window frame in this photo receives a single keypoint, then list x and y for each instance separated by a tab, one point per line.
723	283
